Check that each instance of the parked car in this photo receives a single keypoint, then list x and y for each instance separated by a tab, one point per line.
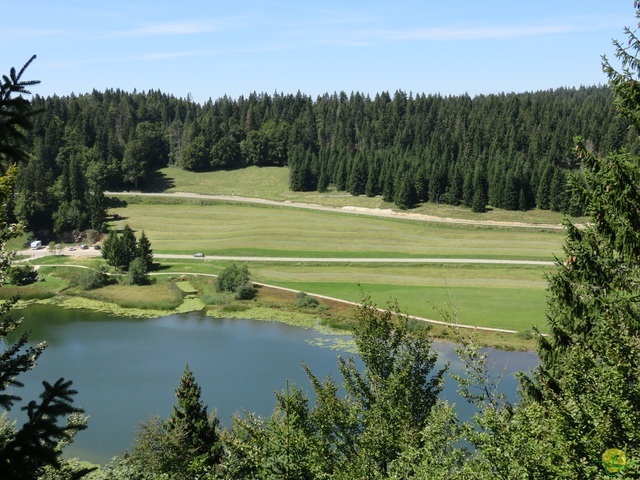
198	255
83	247
72	249
96	247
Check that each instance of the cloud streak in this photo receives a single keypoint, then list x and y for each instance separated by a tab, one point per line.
177	28
376	36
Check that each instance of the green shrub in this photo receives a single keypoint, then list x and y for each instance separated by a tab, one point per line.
245	291
232	278
137	274
22	275
305	300
90	279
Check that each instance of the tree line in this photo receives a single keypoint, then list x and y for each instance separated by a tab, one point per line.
510	151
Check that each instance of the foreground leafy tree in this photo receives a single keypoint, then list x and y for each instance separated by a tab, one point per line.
358	434
386	404
27	450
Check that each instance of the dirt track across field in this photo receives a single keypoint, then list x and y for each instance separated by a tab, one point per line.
376	212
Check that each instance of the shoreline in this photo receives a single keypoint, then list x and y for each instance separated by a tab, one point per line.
283	313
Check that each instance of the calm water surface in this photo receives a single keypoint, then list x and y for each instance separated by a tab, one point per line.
126	370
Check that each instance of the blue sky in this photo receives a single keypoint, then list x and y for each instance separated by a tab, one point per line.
207	49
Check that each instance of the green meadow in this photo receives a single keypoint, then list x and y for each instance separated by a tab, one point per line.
272	183
488	295
256	230
501	296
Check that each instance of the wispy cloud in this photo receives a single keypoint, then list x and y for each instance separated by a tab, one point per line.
473	33
33	32
376	36
177	28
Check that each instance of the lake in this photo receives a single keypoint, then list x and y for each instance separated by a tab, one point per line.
126	370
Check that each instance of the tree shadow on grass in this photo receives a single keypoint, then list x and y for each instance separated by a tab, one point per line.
158	267
157	182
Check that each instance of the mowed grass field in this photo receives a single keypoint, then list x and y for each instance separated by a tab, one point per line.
272	183
511	297
488	296
254	230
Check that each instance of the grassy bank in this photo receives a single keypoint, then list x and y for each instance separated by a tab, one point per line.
480	296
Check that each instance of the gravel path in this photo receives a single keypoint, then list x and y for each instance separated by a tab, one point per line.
43	252
376	212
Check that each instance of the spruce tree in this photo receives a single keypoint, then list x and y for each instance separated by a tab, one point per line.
128	246
36	444
194	434
144	251
587	379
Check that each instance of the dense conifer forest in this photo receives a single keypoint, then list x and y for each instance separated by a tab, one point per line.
509	151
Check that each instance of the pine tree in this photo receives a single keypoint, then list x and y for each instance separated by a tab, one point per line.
26	450
16	115
194	433
586	381
405	195
144	251
128	247
112	250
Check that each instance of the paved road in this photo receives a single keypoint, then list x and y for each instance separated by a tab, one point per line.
32	254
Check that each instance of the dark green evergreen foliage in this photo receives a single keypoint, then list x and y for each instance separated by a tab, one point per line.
582	398
287	452
111	249
195	434
183	447
405	195
24	275
357	179
144	251
120	251
358	144
590	363
233	277
37	443
127	247
16	115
